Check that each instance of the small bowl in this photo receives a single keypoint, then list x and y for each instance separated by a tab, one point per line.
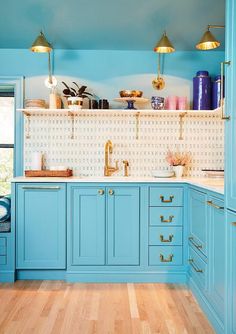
131	93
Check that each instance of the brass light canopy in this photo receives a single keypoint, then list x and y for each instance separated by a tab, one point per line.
41	45
164	45
208	40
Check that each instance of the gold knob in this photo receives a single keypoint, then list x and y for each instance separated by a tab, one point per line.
101	192
111	192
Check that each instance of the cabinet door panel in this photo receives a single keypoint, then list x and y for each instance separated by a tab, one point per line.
230	105
217	257
231	271
198	220
123	226
41	226
88	227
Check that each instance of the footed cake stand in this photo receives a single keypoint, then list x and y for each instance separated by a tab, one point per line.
131	101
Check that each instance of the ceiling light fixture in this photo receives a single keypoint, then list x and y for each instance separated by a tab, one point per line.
41	45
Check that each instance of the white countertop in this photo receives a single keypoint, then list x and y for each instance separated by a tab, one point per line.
216	185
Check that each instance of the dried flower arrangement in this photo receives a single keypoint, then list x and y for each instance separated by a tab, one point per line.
178	158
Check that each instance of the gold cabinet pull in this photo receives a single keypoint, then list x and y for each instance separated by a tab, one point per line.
234	223
101	192
166	220
198	246
169	259
111	192
166	200
191	262
170	239
215	205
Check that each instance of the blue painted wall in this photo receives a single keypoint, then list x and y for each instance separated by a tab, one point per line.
106	72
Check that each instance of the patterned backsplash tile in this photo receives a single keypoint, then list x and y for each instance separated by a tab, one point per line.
51	134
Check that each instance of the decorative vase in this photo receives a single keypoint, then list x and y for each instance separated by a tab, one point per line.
179	170
75	103
202	91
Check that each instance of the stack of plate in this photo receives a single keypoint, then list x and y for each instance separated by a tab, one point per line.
35	104
163	173
214	173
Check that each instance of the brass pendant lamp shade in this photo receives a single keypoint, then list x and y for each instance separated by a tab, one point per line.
208	41
164	45
41	44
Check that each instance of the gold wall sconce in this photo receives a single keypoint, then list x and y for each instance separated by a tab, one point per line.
163	46
208	40
41	45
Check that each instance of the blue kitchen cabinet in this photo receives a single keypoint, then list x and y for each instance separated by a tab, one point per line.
123	226
231	272
7	257
86	226
217	256
198	228
40	226
230	105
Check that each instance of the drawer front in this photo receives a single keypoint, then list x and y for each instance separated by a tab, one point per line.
197	269
3	246
166	216
165	236
3	260
166	196
165	255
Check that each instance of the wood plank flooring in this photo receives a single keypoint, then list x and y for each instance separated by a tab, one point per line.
56	307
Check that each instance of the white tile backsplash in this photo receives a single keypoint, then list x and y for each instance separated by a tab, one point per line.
50	134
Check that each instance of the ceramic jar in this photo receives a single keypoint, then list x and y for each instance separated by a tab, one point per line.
202	91
179	171
75	103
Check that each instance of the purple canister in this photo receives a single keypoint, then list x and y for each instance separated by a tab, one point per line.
202	91
216	90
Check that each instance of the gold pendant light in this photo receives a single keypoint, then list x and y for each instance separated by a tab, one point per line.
41	45
208	40
163	46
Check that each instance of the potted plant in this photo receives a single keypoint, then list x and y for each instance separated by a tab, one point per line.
75	95
178	161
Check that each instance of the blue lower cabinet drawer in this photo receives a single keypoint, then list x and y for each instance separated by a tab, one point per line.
165	255
159	235
166	216
197	269
3	246
3	260
166	196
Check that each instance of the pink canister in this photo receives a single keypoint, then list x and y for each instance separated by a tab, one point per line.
182	103
171	102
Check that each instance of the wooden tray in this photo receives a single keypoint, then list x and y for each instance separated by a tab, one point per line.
49	173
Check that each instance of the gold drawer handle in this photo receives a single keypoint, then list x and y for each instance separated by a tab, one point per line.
191	239
111	192
166	200
215	205
234	223
166	240
191	262
101	192
167	220
169	259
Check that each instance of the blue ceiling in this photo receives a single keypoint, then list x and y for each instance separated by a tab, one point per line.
108	24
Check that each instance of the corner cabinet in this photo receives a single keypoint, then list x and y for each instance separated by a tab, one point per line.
103	225
230	105
40	226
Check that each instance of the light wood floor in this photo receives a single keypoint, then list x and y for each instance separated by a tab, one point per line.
54	307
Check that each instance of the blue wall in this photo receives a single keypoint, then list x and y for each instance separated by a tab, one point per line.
106	72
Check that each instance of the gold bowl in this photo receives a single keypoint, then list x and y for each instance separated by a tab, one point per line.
131	93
